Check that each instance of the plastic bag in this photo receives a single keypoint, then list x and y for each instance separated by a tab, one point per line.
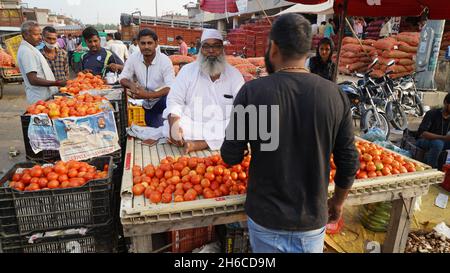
374	134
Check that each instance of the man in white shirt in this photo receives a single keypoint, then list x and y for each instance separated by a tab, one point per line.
109	40
201	98
40	83
386	30
154	72
71	47
118	47
134	47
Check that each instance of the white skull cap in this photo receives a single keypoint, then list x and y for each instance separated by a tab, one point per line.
209	33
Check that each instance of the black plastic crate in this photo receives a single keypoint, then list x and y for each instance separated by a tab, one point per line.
25	212
97	239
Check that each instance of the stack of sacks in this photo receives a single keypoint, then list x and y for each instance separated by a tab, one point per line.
354	56
178	60
247	69
402	49
373	29
315	41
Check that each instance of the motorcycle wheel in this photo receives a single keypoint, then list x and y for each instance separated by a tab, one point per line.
369	121
419	107
399	119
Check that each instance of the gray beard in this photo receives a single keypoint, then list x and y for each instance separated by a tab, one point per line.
212	66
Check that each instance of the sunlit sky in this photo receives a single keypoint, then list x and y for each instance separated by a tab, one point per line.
107	11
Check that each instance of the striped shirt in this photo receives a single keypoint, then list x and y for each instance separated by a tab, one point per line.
59	65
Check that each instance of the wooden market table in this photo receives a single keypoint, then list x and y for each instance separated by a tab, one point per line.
141	219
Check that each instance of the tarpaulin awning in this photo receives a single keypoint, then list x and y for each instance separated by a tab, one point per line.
377	8
219	6
323	8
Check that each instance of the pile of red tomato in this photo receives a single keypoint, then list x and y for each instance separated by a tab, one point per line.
188	179
376	161
71	174
64	107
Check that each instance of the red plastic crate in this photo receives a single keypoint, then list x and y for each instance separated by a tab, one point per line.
446	184
193	238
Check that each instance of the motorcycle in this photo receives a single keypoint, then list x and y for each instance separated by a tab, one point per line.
361	96
409	96
387	99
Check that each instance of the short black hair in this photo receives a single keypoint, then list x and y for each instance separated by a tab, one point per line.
179	37
110	35
147	32
117	36
292	34
323	23
49	29
330	20
447	98
90	32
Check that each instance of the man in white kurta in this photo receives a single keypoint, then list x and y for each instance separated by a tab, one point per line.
200	101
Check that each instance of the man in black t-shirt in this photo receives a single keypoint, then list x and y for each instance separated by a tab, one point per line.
308	118
433	133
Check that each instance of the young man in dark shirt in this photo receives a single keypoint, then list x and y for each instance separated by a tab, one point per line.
287	199
433	133
98	60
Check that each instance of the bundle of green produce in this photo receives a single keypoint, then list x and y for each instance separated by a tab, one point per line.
376	216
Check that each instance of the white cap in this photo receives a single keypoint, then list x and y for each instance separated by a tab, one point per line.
211	34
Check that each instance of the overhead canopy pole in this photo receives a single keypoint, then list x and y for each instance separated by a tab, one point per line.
343	16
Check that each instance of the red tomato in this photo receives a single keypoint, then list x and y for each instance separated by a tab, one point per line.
205	183
61	169
168	174
234	176
242	176
185	171
72	173
17	177
52	176
53	184
187	186
362	175
218	170
179	198
166	198
43	183
192	162
196	179
210	176
224	189
36	172
138	190
155	197
199	189
19	186
237	168
47	170
26	179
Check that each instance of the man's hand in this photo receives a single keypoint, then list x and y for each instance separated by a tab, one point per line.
446	138
114	67
60	83
137	92
87	71
335	210
176	133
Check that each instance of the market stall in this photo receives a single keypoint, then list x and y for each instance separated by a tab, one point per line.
140	218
